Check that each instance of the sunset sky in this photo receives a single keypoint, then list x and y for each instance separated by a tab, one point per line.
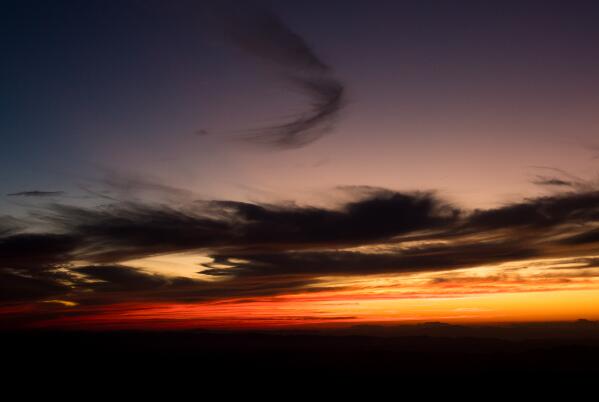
241	164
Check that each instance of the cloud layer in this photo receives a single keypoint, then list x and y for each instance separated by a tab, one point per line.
267	249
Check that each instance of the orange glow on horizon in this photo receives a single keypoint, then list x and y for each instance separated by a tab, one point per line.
519	291
333	310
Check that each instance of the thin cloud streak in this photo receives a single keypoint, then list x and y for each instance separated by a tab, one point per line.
261	33
37	193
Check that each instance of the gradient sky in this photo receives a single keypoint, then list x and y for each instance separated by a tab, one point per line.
375	161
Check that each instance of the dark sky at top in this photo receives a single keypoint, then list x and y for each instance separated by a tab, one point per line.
437	95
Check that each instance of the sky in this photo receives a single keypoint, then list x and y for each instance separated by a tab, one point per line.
271	164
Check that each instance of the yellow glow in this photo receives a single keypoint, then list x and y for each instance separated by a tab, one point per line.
65	303
181	264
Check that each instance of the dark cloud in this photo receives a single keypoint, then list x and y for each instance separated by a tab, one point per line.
119	282
378	217
130	230
108	235
16	287
358	263
123	278
30	266
265	249
37	194
133	230
326	101
34	252
552	181
263	34
556	210
563	178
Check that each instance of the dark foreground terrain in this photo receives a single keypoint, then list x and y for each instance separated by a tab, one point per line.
432	351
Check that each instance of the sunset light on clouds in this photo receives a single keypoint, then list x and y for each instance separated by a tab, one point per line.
231	165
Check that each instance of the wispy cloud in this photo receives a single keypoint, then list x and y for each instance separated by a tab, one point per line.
262	33
552	181
36	193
